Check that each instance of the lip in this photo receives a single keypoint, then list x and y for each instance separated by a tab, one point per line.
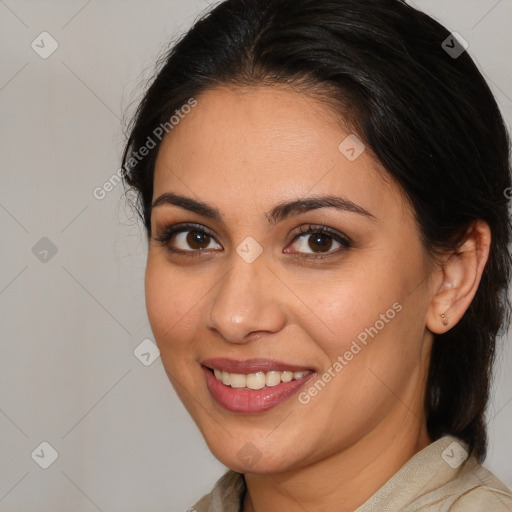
251	365
252	401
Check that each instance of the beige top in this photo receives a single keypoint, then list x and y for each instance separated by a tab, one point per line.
438	478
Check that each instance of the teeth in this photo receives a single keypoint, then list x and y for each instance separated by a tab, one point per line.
273	378
287	376
237	380
257	380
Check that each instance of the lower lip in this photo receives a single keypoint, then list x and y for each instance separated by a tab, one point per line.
248	400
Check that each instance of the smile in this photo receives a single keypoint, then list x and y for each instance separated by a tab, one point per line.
257	380
253	386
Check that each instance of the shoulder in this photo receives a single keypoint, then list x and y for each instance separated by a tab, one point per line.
470	488
442	478
481	491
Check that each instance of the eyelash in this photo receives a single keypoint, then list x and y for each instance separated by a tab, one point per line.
170	231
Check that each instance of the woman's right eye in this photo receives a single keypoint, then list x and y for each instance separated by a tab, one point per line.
188	239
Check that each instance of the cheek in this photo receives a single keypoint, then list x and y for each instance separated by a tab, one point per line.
346	308
172	303
373	336
377	341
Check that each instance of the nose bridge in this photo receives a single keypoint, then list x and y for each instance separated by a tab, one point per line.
245	301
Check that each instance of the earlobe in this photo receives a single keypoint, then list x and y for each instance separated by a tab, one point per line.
461	272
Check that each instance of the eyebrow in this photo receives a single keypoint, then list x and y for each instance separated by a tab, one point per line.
284	210
189	204
280	212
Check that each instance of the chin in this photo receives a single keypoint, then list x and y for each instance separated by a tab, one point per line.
255	454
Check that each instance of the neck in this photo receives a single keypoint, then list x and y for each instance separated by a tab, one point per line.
344	480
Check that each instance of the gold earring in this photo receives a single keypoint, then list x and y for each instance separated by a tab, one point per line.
444	318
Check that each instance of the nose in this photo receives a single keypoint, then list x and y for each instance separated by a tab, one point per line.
246	301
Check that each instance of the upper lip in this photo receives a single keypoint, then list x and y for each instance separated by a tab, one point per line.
250	365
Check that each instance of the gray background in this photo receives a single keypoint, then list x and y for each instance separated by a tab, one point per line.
72	320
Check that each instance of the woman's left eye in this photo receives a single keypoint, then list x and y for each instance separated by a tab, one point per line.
318	241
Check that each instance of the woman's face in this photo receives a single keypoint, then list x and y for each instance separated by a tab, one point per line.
247	290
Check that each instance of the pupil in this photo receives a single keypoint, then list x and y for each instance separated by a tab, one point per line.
197	240
320	241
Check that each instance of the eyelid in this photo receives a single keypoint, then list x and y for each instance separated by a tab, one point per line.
320	228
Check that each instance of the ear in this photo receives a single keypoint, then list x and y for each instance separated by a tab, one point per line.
460	276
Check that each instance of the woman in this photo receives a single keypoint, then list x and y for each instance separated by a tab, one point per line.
324	187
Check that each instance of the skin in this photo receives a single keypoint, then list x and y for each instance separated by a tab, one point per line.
243	151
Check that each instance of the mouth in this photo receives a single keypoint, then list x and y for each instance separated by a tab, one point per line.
253	386
258	380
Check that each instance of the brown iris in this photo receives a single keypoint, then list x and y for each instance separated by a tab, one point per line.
319	241
198	239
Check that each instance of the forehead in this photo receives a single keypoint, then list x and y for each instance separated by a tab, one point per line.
268	143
